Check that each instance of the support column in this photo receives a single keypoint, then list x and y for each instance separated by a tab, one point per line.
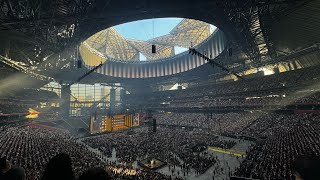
123	100
65	100
112	100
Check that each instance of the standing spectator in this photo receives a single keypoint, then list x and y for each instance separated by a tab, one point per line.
9	173
59	167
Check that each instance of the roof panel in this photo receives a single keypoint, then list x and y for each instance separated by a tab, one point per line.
112	44
187	24
185	38
145	48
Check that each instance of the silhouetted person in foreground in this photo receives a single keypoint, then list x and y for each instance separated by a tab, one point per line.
3	167
59	168
9	173
95	174
307	168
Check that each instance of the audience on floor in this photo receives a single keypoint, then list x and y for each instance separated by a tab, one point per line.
285	140
29	150
173	145
26	150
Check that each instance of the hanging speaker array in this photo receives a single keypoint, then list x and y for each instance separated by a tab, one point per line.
79	63
153	49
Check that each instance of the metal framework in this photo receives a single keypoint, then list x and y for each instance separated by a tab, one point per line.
186	25
38	33
111	43
250	23
145	48
187	33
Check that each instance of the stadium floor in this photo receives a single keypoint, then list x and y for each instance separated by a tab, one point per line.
225	151
228	161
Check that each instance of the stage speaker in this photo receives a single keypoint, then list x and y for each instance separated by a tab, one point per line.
153	48
154	125
79	63
230	51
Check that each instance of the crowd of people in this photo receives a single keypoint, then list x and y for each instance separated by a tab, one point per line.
282	98
271	123
283	137
218	123
172	145
252	124
275	158
19	101
120	172
292	87
29	94
8	107
306	76
289	136
31	148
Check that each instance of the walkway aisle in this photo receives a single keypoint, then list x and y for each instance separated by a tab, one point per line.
227	162
100	155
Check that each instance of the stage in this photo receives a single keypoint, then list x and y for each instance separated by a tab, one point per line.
152	163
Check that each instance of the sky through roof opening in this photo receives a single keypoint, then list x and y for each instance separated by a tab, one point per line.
143	29
133	40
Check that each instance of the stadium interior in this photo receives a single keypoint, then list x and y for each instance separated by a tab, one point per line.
159	90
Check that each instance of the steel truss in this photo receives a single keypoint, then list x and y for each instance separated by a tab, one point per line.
34	31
